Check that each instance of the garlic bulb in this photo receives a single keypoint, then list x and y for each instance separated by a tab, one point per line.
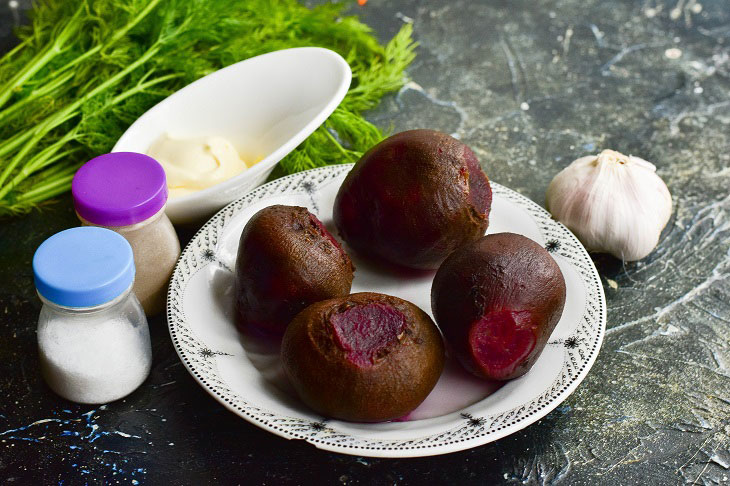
613	203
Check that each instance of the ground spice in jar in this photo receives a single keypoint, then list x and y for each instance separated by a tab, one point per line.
126	192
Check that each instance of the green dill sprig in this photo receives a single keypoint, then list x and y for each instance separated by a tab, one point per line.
83	71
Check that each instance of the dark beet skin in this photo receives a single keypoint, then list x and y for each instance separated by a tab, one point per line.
497	300
286	261
413	199
366	357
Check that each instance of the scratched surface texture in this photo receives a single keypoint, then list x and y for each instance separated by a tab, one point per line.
529	86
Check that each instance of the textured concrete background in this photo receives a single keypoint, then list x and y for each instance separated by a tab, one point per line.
533	85
530	86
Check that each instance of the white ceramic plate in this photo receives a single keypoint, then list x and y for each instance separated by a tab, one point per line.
265	106
462	412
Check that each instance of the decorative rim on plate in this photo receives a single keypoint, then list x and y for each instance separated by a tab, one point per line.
580	350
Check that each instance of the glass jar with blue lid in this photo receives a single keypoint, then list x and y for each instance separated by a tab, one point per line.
93	338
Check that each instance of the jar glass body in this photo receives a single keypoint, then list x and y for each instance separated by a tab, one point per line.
156	250
94	354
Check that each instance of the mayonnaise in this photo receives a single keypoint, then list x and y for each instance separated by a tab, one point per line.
196	163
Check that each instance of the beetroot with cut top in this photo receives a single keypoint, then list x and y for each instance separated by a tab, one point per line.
366	357
286	261
413	199
497	300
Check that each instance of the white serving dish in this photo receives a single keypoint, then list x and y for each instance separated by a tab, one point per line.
265	105
244	373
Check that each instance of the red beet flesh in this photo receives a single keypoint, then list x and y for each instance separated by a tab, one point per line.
327	235
500	341
497	300
413	199
367	330
286	260
365	357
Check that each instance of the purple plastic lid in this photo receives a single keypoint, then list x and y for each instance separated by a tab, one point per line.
119	189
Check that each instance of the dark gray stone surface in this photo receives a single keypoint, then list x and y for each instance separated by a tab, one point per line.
530	86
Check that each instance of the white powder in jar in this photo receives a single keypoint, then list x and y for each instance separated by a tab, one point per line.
96	358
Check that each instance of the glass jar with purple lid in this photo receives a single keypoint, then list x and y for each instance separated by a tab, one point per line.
127	192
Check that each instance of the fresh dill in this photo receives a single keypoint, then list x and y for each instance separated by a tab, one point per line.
84	71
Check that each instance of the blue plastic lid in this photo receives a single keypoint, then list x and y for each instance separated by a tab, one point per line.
83	267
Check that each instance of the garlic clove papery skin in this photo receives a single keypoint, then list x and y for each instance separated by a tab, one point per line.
612	202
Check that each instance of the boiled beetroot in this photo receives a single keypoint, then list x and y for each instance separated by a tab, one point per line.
413	199
286	260
497	300
366	357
